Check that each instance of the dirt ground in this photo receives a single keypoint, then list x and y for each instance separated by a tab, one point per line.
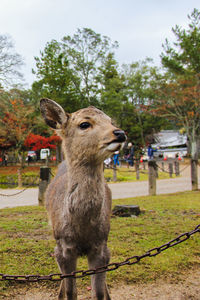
185	286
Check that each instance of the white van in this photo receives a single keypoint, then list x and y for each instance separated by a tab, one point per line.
44	153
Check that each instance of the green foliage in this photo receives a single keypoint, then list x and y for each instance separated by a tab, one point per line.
141	78
183	57
56	79
178	97
81	70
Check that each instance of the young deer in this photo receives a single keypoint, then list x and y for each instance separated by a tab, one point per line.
78	199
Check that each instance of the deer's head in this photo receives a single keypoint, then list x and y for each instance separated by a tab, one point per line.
88	134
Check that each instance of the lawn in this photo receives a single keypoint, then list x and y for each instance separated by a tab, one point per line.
26	243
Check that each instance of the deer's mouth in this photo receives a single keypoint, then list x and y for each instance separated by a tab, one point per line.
114	146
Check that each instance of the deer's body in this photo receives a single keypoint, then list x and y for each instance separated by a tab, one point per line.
81	210
78	200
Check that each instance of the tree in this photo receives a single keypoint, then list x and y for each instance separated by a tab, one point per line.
112	96
37	142
56	80
16	123
183	64
183	57
10	62
141	79
87	51
68	71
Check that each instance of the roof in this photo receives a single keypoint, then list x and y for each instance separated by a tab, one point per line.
169	138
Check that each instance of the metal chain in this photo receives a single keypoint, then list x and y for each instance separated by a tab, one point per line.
10	195
107	268
168	169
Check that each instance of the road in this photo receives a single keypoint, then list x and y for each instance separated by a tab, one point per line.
119	190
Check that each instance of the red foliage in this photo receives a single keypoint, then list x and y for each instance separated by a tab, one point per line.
36	142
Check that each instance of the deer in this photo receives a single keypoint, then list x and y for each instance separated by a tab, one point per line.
78	199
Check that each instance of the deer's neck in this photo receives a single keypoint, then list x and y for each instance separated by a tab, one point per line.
85	175
85	188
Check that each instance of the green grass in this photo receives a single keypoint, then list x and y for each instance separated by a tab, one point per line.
26	243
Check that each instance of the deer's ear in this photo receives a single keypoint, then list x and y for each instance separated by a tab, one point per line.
53	114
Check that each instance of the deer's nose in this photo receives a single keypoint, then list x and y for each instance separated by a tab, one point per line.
120	134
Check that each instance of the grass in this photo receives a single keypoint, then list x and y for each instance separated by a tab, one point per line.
26	243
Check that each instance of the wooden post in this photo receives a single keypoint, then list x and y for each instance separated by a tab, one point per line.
137	165
163	166
152	177
114	173
45	177
176	167
19	175
194	174
156	169
170	169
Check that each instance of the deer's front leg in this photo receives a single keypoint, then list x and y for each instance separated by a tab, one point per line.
67	259
98	258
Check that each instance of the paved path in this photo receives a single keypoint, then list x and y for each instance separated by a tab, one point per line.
119	190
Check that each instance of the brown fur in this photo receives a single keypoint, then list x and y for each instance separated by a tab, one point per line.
78	200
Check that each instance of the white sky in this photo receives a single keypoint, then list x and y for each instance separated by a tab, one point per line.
140	27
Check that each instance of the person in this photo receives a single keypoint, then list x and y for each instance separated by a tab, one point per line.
130	156
116	158
29	159
5	159
150	151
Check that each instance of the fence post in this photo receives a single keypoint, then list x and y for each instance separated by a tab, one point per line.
152	177
114	173
170	169
194	174
45	177
137	165
176	167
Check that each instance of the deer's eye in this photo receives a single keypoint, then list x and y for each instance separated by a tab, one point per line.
85	125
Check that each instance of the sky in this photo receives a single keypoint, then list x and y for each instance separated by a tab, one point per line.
140	27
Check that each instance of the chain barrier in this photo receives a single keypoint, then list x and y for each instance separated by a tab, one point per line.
128	171
107	268
180	171
15	194
143	171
